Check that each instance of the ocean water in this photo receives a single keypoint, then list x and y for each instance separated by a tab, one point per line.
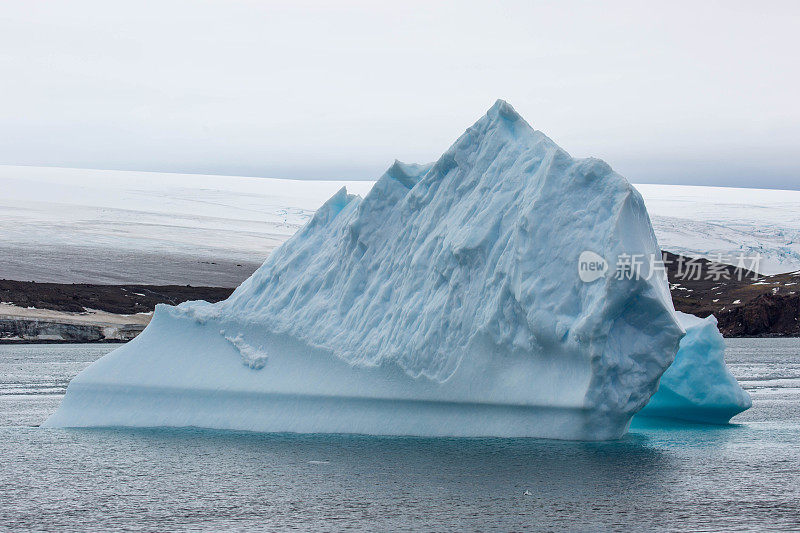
661	476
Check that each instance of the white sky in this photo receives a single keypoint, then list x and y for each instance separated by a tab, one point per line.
683	92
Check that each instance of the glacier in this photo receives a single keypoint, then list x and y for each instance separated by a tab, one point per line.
216	230
698	386
446	302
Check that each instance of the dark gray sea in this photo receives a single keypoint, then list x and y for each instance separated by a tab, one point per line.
660	477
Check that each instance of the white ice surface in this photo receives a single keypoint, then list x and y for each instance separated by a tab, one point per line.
244	219
446	302
233	214
725	222
698	385
94	213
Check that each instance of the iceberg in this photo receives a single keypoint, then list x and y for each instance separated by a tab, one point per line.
449	301
698	386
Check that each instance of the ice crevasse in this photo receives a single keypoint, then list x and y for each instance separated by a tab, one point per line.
447	301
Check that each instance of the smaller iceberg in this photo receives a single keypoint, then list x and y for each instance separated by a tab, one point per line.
698	385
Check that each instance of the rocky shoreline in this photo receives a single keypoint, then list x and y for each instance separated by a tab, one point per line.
26	331
53	312
746	304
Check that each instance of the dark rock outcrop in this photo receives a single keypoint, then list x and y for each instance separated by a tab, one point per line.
745	303
120	299
767	315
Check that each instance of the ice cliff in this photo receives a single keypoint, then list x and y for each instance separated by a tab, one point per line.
698	385
446	302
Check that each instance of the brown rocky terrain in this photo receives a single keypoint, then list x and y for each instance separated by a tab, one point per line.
119	299
745	303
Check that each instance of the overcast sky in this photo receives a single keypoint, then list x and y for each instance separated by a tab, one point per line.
676	92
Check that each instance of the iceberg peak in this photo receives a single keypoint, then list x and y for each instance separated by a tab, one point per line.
503	110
